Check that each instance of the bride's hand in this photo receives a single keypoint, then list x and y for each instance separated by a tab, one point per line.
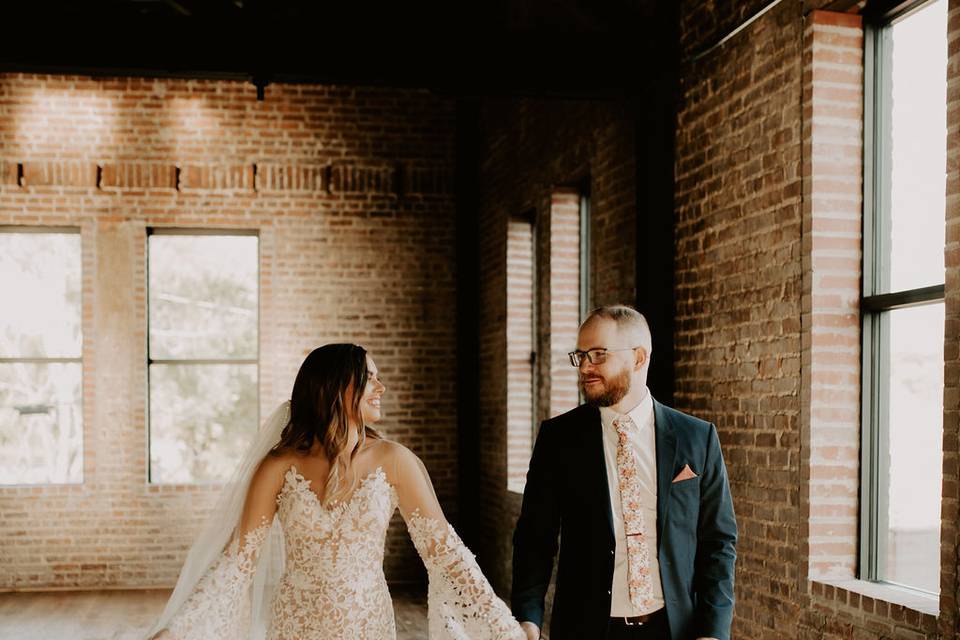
532	630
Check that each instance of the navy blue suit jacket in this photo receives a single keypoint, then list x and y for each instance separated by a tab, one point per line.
566	495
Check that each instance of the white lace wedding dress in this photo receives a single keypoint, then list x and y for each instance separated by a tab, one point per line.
333	585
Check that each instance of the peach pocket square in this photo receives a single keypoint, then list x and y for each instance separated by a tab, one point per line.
685	474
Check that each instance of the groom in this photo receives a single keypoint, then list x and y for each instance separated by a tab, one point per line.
637	493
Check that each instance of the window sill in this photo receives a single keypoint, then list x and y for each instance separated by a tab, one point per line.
907	598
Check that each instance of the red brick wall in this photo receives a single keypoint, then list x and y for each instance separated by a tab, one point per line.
350	190
530	151
738	275
767	248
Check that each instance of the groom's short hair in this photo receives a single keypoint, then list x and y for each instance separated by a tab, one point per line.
629	322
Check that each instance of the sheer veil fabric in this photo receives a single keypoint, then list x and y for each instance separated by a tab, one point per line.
219	528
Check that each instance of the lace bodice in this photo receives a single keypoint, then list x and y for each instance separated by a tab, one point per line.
325	545
333	584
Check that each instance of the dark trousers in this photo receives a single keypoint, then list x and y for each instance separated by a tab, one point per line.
655	629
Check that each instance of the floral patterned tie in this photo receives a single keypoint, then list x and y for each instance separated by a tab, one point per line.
638	552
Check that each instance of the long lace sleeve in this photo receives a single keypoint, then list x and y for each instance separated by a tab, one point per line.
461	603
220	605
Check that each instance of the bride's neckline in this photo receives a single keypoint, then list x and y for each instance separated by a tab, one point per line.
305	483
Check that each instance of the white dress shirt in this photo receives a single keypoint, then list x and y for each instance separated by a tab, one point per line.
643	441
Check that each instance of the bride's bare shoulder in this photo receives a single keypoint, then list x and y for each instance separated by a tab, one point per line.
385	451
395	459
272	469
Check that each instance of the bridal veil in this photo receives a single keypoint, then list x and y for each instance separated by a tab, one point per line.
221	526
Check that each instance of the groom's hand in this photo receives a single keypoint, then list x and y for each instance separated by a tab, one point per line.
532	630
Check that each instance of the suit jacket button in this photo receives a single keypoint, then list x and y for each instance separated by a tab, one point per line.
609	592
612	553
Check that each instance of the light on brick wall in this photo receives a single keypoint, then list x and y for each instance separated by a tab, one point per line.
337	266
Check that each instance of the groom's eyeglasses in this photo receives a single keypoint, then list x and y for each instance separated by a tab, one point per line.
595	356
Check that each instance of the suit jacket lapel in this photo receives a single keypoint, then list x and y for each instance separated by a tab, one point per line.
595	443
666	440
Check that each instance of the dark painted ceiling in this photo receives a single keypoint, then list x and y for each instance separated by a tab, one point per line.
571	48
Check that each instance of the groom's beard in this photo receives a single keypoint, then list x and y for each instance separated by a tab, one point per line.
610	392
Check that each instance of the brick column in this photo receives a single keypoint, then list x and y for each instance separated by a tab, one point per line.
564	297
950	507
831	247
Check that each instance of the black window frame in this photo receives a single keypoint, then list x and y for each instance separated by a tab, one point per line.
187	231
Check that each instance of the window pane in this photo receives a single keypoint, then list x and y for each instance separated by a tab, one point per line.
520	345
918	147
41	425
40	289
915	392
202	417
203	296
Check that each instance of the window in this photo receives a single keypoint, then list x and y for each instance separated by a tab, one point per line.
202	352
41	422
585	293
521	347
903	310
565	270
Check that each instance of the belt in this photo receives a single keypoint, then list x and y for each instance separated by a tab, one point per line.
635	621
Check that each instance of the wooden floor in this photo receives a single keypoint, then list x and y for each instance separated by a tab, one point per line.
126	615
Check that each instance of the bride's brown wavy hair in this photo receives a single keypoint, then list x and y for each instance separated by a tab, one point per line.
321	409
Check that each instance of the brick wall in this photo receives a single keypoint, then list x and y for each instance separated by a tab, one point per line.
738	285
531	151
767	277
350	190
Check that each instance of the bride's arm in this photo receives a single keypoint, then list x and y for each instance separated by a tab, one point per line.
261	503
462	604
218	607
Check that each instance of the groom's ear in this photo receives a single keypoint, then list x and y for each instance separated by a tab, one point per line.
640	358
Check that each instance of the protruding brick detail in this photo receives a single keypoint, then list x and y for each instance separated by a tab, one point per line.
427	180
138	175
360	178
291	177
216	177
9	173
835	19
59	173
832	205
564	250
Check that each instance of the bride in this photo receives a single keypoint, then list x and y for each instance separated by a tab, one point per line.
294	549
